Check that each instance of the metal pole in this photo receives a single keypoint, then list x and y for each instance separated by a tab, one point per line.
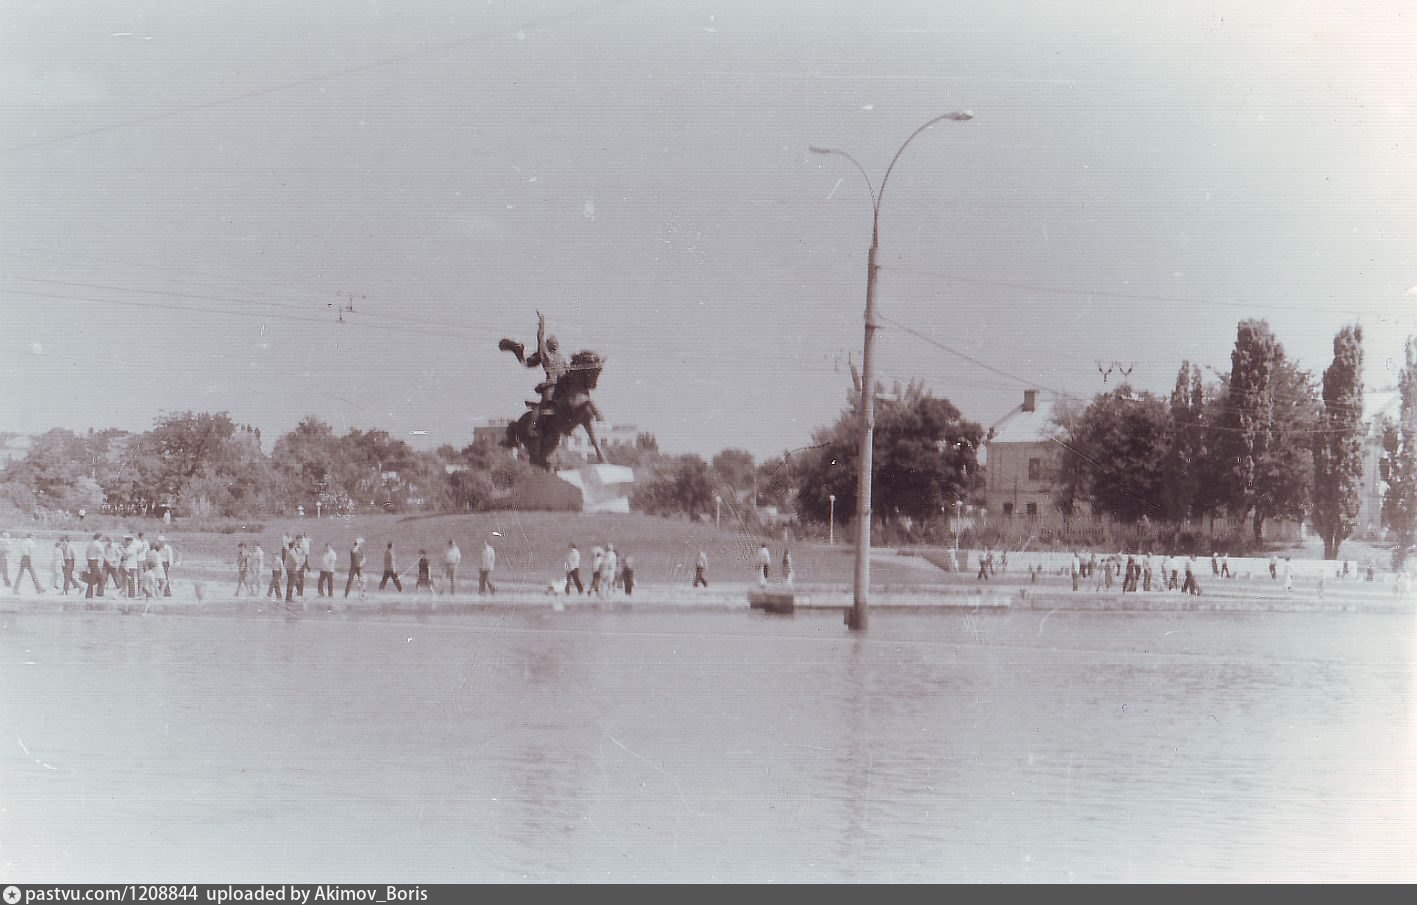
831	520
856	616
856	619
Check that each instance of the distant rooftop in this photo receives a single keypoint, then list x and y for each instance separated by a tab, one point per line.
1030	422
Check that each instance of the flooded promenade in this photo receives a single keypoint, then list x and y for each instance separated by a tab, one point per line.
527	745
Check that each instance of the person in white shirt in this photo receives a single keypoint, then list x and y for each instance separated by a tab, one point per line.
612	559
451	559
573	570
764	565
56	567
597	559
484	575
701	570
93	575
168	554
325	585
131	566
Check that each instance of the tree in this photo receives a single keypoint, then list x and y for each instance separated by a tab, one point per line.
1398	467
1122	440
1338	443
1269	410
733	470
924	458
1183	474
1070	475
693	486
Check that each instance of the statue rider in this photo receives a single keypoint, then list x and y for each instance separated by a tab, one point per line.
548	357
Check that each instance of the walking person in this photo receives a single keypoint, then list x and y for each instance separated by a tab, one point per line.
597	559
304	562
27	562
764	565
451	559
425	573
112	566
484	574
391	572
629	573
71	560
1146	572
6	548
257	558
609	564
243	570
573	570
131	566
153	582
292	561
1191	585
277	573
787	566
325	585
168	555
983	566
1225	566
1075	569
93	575
701	570
356	568
56	566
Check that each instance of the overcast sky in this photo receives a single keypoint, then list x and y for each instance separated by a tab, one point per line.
190	191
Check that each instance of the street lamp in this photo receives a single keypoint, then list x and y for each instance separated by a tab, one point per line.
856	618
831	519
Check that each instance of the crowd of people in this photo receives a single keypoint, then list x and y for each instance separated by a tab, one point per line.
132	565
610	570
294	559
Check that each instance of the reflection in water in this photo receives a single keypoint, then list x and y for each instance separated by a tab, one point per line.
1011	746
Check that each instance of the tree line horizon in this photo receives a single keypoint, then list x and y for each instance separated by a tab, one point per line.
1269	440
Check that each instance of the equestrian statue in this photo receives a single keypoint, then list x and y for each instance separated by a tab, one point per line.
565	402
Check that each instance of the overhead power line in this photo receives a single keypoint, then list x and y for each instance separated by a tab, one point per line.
1123	296
425	51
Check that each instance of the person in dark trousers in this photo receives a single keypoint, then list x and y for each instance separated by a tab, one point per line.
290	559
391	572
484	574
93	577
573	570
425	573
629	573
701	570
356	566
71	558
1190	585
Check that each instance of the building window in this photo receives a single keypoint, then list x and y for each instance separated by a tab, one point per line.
1035	469
1008	510
1032	509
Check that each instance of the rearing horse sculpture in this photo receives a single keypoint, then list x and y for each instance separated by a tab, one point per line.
571	407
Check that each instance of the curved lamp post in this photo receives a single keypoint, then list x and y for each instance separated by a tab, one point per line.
856	617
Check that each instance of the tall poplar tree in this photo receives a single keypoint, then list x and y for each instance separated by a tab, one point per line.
1399	464
1338	443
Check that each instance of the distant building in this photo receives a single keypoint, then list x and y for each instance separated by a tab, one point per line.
1020	461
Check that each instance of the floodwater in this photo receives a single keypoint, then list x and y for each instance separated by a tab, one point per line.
708	746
